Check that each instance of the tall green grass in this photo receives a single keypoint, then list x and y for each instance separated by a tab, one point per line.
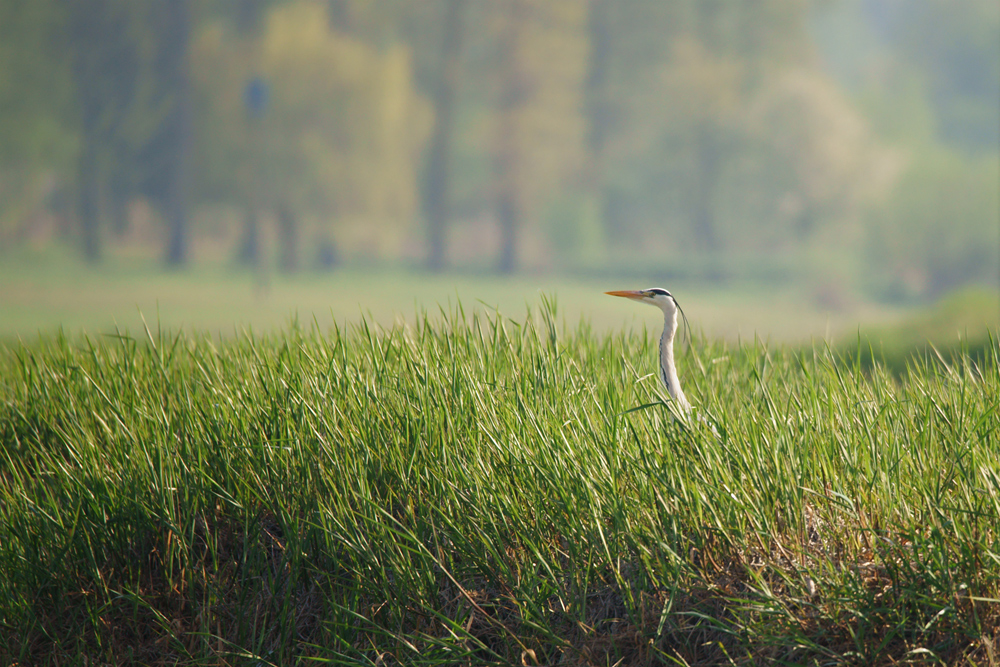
472	489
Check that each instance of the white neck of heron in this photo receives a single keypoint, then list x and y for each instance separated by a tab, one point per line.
668	369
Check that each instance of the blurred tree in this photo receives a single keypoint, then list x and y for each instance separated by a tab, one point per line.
939	229
693	155
509	152
811	155
106	63
629	40
435	194
730	54
250	25
338	144
704	95
599	117
288	235
169	149
628	115
539	129
129	65
34	80
929	83
597	94
249	16
956	49
37	137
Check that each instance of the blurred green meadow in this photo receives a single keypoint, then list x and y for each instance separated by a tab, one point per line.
43	292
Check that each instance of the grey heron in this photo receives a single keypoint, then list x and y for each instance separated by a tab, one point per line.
665	301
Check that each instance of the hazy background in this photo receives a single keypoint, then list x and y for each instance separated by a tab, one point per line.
789	168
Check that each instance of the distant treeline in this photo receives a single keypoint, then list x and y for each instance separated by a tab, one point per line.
581	134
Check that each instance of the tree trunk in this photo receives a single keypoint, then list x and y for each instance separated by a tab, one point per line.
707	159
508	155
436	178
178	186
339	13
249	14
327	257
89	20
249	253
88	197
288	238
598	108
115	203
597	97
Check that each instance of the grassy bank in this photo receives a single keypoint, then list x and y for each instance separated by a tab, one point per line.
484	490
956	327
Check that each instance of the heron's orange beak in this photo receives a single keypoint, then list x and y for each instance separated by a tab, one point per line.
628	294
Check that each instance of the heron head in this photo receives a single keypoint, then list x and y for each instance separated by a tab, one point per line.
654	296
659	297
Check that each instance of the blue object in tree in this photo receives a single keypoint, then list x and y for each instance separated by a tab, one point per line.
255	96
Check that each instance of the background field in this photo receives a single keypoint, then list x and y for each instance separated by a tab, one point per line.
43	291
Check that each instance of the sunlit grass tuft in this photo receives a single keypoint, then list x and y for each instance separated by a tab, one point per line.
478	489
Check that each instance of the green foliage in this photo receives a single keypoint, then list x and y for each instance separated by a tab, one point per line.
35	99
341	136
955	49
484	490
124	93
956	328
933	98
946	53
634	132
34	84
940	228
724	136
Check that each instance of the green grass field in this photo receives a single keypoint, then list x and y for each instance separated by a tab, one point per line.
465	489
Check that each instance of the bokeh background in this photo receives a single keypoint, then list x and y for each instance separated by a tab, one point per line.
791	169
